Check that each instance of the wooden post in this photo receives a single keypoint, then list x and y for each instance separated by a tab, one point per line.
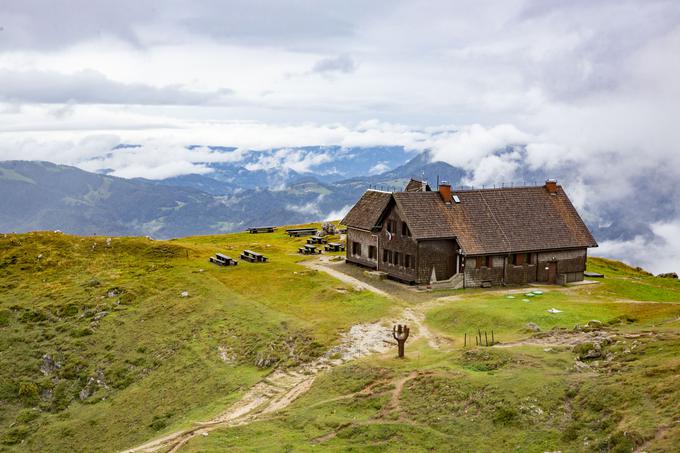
486	339
493	342
400	333
465	340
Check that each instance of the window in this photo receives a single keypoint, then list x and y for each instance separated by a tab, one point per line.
372	252
384	256
390	226
356	248
397	256
519	259
407	261
389	256
484	261
404	230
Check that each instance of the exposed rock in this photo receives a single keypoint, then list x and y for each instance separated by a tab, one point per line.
533	327
94	382
100	315
668	275
226	355
184	294
48	365
594	324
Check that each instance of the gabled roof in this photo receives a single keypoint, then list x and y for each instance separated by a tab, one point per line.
415	185
366	213
517	219
488	221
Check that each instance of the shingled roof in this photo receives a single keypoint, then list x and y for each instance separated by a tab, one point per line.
495	221
366	213
415	185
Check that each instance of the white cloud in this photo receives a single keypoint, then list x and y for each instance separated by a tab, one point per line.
658	254
338	214
289	159
380	167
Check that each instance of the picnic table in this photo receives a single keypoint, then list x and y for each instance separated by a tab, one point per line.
308	249
223	260
297	232
335	247
316	240
253	257
255	230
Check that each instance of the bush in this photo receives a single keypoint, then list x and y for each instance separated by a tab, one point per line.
505	415
28	392
27	415
15	435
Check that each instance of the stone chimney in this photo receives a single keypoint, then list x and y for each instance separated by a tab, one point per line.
445	191
551	186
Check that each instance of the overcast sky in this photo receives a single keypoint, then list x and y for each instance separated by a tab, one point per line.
593	85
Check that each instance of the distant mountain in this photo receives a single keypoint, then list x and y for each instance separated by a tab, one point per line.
277	169
45	196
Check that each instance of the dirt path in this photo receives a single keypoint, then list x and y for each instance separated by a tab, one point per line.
282	387
356	283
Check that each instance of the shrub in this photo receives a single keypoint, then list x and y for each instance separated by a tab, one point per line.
15	435
28	392
505	415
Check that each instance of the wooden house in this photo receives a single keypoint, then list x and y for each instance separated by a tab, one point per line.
469	238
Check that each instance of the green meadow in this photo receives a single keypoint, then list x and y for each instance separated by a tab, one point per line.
100	351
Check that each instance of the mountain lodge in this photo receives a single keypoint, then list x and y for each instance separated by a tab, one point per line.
469	238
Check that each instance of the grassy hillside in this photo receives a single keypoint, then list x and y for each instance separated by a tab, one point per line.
101	352
539	394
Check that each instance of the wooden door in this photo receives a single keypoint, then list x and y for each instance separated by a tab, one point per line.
552	272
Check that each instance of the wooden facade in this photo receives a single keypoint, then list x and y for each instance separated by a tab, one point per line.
411	237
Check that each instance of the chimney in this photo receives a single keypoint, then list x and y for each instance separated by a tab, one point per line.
445	191
551	186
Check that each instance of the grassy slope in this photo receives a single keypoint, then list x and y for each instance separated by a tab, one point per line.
159	355
157	351
518	399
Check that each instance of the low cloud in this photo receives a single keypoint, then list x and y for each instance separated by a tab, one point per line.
290	159
657	254
338	214
380	167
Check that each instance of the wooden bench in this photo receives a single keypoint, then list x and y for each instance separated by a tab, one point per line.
316	240
308	249
253	257
297	232
223	260
334	247
256	230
